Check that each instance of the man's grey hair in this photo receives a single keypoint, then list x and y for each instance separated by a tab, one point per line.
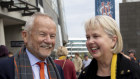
29	24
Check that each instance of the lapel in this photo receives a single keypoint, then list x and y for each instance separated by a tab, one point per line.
23	69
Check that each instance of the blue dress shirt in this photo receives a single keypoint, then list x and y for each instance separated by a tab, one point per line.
35	67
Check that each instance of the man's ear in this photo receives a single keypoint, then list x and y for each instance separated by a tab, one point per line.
24	36
114	41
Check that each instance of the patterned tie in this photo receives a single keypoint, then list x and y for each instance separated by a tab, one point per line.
41	65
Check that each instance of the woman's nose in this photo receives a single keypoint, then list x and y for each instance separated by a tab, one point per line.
91	40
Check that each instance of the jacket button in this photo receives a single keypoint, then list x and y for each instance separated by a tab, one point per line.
83	72
128	70
122	72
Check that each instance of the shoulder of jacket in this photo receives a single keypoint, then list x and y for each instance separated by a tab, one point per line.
126	66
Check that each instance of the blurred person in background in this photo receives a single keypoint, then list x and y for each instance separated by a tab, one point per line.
66	64
10	54
139	62
104	42
3	51
70	58
122	52
132	53
78	64
86	61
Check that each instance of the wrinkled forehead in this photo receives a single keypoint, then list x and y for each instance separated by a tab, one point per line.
43	19
43	23
39	20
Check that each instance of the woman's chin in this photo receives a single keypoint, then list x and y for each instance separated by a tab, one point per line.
94	55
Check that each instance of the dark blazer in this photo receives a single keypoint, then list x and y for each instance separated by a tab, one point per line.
60	71
126	69
7	69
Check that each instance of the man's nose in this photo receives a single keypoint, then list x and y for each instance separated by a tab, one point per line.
47	39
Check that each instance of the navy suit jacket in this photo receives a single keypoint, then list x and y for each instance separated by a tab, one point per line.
7	70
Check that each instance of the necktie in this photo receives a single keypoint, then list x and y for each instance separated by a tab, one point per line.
41	65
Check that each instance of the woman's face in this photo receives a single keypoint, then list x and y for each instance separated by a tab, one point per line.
98	43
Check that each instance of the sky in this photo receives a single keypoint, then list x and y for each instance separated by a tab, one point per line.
77	12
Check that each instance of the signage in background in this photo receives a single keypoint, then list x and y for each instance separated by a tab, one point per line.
105	7
17	43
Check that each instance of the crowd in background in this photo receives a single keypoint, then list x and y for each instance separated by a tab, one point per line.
4	52
71	65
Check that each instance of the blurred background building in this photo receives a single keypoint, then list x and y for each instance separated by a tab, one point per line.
77	45
14	14
130	25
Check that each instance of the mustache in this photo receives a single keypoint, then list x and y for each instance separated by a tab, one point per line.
46	45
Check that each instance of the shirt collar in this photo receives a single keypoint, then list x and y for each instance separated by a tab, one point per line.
33	59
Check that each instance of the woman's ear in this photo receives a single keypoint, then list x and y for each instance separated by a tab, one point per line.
114	41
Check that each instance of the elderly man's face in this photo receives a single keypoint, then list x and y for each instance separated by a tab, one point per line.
41	40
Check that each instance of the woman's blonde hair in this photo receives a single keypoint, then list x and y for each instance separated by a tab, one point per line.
110	27
62	51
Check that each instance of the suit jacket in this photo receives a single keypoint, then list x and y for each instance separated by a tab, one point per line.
126	69
7	70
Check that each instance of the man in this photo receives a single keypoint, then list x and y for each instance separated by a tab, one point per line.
86	61
139	62
33	61
131	53
70	58
78	64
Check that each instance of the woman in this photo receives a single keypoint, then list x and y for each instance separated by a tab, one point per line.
66	64
104	42
78	64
